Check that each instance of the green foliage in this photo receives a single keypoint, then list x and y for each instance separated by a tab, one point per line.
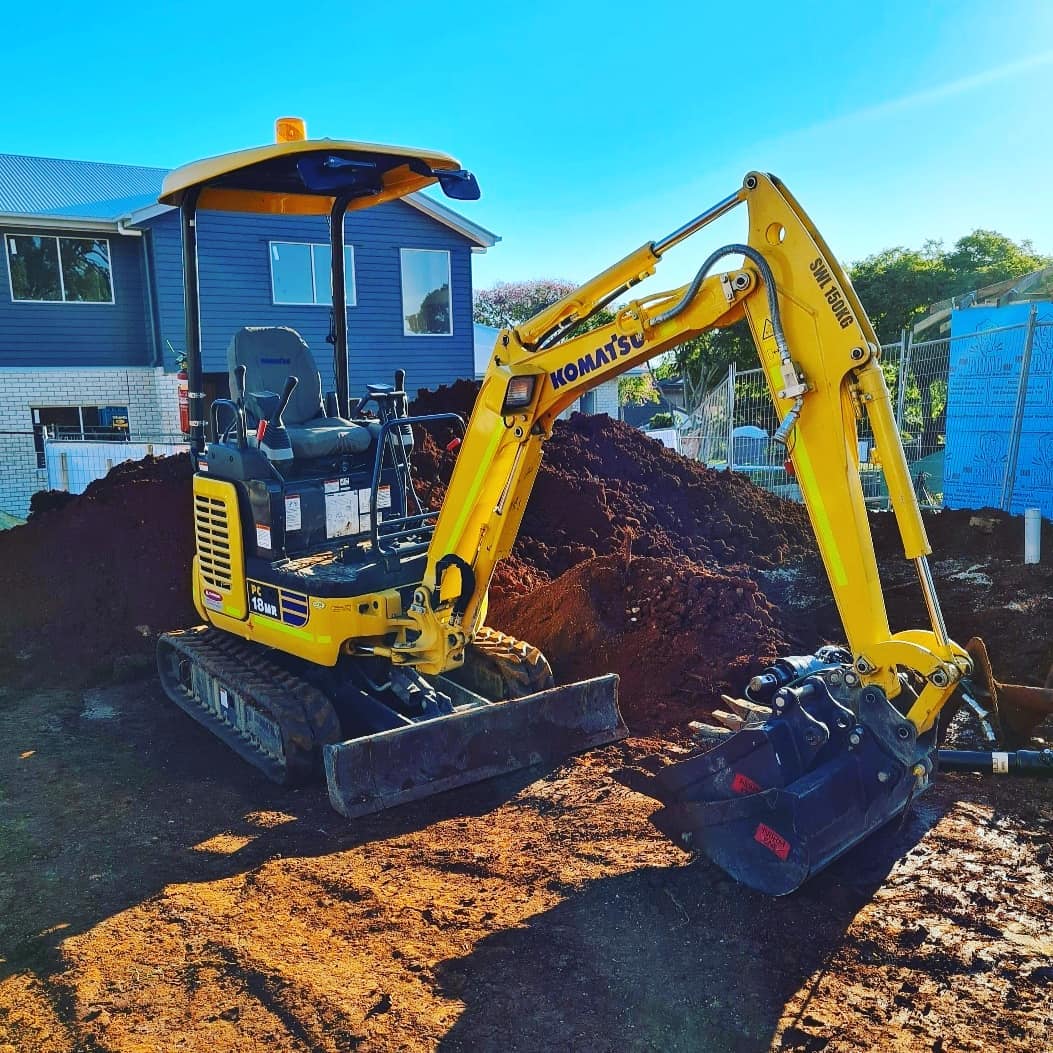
637	390
702	360
661	420
897	285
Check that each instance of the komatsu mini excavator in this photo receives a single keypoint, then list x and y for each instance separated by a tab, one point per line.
345	623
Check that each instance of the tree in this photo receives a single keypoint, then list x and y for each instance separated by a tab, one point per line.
985	257
512	303
897	285
637	390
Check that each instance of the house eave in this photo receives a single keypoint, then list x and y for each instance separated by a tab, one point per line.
484	239
481	238
22	220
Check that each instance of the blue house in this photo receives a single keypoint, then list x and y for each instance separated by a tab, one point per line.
91	302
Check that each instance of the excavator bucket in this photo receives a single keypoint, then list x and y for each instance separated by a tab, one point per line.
1015	711
477	740
776	803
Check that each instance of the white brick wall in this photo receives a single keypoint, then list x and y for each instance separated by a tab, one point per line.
150	395
606	401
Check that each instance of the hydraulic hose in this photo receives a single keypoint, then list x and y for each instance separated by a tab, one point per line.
753	256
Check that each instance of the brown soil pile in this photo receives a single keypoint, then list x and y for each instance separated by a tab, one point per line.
458	397
962	533
604	486
678	634
90	580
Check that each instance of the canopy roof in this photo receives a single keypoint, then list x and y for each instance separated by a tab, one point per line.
304	177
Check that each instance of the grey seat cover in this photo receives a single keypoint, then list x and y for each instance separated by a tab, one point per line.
271	354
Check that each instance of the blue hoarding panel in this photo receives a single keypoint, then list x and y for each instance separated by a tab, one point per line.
982	391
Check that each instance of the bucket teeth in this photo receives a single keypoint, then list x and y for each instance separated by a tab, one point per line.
780	799
754	712
729	720
708	733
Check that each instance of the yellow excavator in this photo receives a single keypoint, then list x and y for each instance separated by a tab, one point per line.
345	622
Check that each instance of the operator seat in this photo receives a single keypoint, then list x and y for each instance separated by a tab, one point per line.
272	354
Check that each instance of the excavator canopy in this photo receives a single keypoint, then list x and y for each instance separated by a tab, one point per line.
304	177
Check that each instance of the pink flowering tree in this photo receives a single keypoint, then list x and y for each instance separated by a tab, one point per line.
512	303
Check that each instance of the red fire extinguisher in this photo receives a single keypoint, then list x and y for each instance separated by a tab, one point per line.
184	397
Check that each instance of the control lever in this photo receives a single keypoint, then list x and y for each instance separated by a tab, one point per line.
240	374
283	403
271	435
401	406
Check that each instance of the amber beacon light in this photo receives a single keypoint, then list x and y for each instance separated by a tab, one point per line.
290	130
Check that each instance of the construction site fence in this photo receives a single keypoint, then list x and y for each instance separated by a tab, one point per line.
73	463
731	424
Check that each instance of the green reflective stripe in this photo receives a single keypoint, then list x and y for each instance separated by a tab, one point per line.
301	634
477	484
820	520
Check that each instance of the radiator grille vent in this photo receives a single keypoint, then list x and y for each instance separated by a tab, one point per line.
213	540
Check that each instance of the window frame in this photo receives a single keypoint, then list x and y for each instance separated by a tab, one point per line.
58	254
352	300
406	331
39	427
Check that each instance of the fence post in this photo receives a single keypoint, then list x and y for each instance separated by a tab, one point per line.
906	340
731	417
1009	480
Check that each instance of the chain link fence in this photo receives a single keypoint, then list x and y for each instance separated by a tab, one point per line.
992	440
72	463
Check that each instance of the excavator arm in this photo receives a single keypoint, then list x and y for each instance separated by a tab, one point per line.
821	360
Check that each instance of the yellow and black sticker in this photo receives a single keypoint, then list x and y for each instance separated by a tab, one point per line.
282	605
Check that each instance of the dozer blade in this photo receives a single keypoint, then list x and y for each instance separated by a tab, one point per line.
776	803
1016	709
479	740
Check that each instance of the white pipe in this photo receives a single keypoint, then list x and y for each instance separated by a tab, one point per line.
1032	535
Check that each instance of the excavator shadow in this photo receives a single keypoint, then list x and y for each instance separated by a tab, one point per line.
108	797
673	959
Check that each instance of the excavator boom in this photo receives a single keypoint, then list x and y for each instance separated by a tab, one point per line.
850	740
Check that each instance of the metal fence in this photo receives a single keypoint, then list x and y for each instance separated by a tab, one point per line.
73	463
731	424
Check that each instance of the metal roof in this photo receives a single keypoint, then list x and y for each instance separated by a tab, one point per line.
50	186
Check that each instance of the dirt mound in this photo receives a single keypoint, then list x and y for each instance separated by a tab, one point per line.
89	580
458	397
962	533
604	486
676	632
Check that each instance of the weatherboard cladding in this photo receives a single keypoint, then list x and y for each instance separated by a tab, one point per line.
80	334
235	281
52	186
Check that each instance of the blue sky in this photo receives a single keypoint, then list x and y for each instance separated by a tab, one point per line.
592	127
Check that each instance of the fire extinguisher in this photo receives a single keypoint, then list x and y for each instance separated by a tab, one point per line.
184	397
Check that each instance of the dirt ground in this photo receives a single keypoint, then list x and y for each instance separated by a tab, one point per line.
158	895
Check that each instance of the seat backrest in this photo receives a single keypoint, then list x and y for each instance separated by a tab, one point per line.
270	355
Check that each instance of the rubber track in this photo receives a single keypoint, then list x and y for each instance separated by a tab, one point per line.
304	716
520	667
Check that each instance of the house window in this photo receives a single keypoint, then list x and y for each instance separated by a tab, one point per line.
45	269
300	273
426	305
108	423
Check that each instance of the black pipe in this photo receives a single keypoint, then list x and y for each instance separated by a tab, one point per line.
1033	763
192	312
336	242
